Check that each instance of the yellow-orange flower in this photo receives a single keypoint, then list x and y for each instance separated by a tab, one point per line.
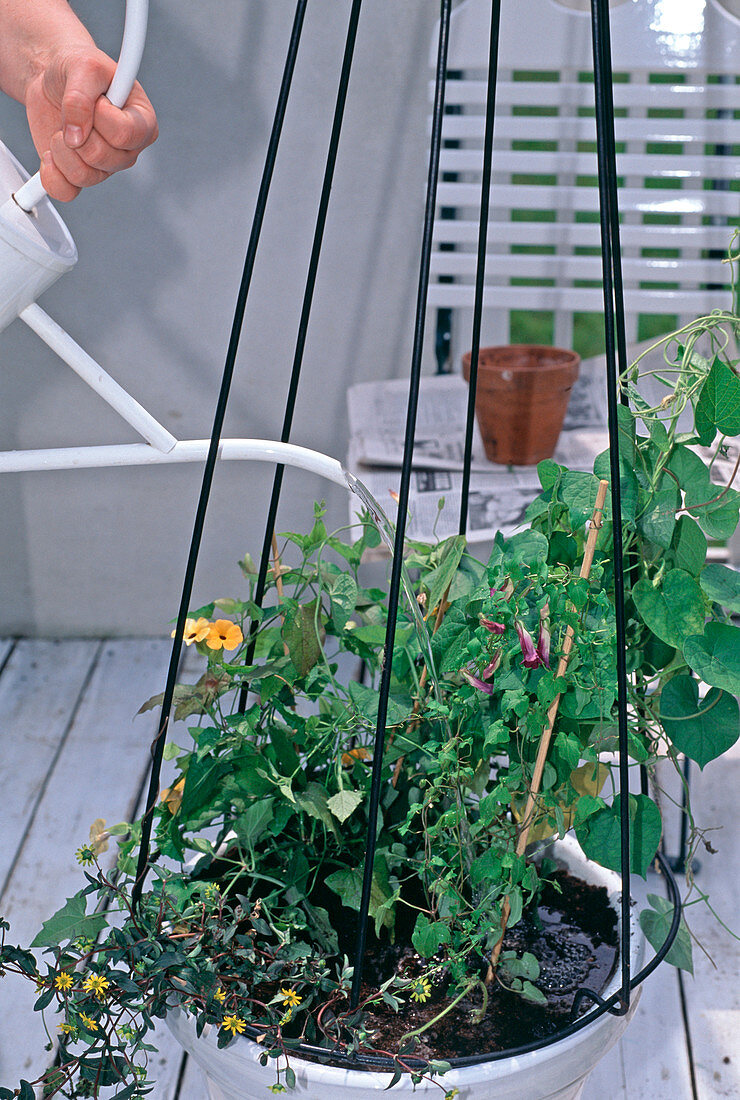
224	634
220	995
360	753
88	1022
195	630
63	980
172	796
290	997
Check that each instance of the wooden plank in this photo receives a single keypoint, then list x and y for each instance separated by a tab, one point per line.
98	773
39	689
713	995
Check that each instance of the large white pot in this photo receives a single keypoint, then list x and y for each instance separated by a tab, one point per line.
555	1072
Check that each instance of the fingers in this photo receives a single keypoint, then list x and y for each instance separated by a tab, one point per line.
87	78
92	139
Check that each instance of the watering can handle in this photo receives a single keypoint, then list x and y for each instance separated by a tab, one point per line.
132	48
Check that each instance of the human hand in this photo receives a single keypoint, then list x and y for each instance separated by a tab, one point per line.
80	136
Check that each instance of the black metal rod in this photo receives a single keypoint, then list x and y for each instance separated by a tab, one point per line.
480	271
611	260
403	495
228	372
308	293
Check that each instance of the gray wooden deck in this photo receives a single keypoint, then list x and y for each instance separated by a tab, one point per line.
72	751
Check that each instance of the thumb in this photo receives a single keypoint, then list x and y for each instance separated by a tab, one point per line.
87	79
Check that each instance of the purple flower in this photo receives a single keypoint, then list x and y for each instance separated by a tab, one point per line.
477	683
531	658
490	668
489	624
543	642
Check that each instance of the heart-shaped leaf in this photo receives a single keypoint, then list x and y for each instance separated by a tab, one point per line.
674	610
702	729
715	656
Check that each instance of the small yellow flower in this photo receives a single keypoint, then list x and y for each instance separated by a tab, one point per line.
220	995
195	630
172	796
290	997
63	981
451	1094
96	984
224	635
286	1017
88	1022
421	990
85	854
234	1024
277	1088
66	1029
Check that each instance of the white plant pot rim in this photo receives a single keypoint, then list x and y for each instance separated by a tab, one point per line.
563	1063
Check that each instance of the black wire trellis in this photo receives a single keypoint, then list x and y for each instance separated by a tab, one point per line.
616	360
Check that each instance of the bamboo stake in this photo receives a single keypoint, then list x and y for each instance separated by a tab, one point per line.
544	745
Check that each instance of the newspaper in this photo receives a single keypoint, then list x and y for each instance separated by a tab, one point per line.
377	423
498	495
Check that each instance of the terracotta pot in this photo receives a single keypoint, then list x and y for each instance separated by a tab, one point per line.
521	400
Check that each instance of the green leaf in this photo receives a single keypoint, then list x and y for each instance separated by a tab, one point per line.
531	993
438	580
366	701
428	936
578	491
600	837
301	638
689	544
657	520
673	611
69	923
721	585
202	780
250	826
715	509
718	407
348	884
715	656
315	802
26	1092
702	729
527	546
344	803
448	644
627	483
343	599
656	923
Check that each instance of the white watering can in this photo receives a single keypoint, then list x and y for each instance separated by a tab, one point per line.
35	249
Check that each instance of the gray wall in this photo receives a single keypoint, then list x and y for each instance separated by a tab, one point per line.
161	249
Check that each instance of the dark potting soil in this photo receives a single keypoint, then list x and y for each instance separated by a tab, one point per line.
574	938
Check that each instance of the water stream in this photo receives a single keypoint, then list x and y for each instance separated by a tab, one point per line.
387	532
